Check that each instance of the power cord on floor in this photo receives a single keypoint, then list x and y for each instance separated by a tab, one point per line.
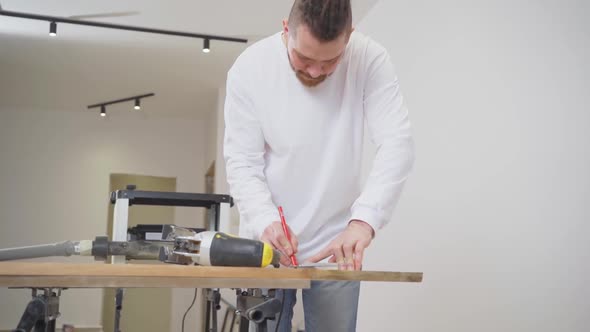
189	308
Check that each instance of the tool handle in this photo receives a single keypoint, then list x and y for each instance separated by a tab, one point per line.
287	233
227	250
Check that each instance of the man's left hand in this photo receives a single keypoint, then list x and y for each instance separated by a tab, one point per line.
347	249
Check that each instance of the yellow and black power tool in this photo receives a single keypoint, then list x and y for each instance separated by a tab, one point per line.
177	245
218	249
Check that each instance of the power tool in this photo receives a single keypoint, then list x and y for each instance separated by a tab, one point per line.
216	249
178	245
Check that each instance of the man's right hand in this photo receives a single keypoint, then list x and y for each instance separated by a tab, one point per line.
275	236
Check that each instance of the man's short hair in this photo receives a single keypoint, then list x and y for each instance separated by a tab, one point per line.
326	19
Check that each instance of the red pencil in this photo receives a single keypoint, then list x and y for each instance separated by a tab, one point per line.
288	234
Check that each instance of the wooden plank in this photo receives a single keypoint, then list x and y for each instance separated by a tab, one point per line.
28	274
146	282
318	274
146	270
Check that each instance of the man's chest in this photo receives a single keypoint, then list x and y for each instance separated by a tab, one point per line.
293	122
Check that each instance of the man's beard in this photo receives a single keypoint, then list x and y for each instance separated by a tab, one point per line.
304	78
309	81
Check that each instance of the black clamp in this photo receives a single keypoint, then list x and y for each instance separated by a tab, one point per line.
256	306
41	312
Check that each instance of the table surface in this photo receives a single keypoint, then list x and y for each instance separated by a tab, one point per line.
101	275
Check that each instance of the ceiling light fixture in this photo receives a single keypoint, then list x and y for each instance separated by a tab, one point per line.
55	19
53	29
206	48
137	99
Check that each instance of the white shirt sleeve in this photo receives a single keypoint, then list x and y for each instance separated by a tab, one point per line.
389	129
244	157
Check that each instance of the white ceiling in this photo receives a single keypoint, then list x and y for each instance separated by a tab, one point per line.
86	65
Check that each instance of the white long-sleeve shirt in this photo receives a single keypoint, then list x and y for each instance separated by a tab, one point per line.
301	147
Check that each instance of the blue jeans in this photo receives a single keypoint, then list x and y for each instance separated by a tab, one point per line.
328	306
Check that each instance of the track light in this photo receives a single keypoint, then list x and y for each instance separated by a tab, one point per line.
137	100
206	48
72	20
53	29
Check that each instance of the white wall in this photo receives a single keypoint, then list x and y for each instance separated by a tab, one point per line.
229	216
496	213
54	185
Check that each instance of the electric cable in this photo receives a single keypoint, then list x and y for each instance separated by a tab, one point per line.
189	308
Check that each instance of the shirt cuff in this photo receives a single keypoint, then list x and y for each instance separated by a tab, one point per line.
369	215
262	221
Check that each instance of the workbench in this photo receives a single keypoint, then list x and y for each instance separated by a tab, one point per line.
100	275
46	277
253	286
